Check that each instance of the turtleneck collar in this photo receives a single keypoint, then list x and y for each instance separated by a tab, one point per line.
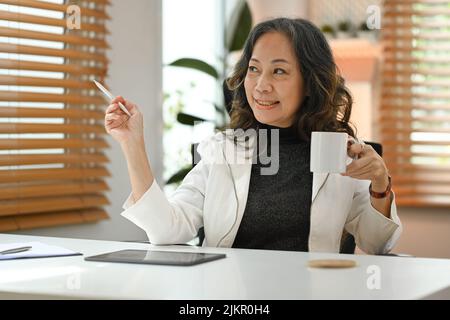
287	135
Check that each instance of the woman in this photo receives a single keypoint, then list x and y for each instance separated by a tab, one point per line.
286	81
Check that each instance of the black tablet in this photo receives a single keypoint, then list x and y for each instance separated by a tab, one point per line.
173	258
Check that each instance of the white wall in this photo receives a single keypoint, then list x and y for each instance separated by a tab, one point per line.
268	9
136	73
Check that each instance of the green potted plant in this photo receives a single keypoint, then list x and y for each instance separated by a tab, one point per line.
344	29
365	33
328	31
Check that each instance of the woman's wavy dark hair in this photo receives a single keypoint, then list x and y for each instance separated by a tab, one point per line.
327	104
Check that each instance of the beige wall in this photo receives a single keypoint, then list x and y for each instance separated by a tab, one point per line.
426	232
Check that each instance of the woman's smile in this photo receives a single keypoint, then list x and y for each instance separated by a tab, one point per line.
266	104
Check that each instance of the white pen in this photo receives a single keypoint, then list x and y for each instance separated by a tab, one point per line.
110	96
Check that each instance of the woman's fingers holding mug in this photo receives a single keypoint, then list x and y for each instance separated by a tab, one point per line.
358	166
362	174
369	166
355	149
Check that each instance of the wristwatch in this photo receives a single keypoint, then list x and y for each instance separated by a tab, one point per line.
381	195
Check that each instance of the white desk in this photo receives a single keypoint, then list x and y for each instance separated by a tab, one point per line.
244	274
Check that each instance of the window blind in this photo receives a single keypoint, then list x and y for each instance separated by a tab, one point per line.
415	103
52	161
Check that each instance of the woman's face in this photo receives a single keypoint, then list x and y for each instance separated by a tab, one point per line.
274	84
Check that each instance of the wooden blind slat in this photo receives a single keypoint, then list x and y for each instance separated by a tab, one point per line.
8	224
44	190
406	178
50	128
422	190
67	158
392	132
47	97
400	155
392	24
408	154
21	112
53	219
390	119
404	83
27	206
422	36
395	2
15	144
402	61
52	67
66	53
389	72
406	12
388	105
65	38
426	201
55	7
422	168
409	95
406	47
45	82
408	143
28	18
8	176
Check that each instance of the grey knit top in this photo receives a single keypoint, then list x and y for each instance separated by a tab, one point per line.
277	213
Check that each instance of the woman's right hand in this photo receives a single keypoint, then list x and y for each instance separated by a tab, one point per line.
120	126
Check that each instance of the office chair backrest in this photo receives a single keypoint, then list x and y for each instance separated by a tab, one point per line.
376	146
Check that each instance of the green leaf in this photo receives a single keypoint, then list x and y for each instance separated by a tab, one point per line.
196	64
239	27
188	119
179	176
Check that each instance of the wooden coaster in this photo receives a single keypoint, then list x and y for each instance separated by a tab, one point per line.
331	263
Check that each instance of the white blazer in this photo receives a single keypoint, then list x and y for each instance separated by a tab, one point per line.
209	197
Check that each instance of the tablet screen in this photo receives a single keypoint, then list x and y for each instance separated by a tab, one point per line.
157	257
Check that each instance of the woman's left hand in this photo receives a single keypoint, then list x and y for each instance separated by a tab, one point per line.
367	166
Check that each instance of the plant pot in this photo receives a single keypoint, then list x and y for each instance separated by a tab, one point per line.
329	36
343	35
368	35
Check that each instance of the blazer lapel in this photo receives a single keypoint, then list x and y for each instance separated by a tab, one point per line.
240	162
318	181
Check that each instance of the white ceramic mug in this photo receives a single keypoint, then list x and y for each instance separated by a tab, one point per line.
328	152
